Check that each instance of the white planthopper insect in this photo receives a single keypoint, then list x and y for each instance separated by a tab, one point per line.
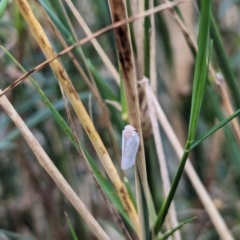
130	145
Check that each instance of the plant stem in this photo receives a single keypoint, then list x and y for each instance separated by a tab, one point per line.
165	206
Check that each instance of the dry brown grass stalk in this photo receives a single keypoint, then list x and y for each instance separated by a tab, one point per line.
87	39
92	87
81	112
125	53
129	78
48	165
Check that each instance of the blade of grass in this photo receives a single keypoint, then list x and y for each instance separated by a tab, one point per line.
201	191
200	72
173	222
170	233
166	204
194	48
214	129
74	235
199	83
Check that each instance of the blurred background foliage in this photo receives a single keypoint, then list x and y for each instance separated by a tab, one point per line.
31	206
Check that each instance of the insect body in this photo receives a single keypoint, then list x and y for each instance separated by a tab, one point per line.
130	145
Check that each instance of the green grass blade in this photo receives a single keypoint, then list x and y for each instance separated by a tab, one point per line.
168	234
74	235
214	129
200	75
200	72
166	204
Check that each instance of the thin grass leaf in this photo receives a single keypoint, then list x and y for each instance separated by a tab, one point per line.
104	90
168	234
201	69
166	204
74	235
213	130
199	84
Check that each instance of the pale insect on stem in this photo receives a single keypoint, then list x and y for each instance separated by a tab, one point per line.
130	145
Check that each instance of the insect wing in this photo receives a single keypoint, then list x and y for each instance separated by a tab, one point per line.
129	149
